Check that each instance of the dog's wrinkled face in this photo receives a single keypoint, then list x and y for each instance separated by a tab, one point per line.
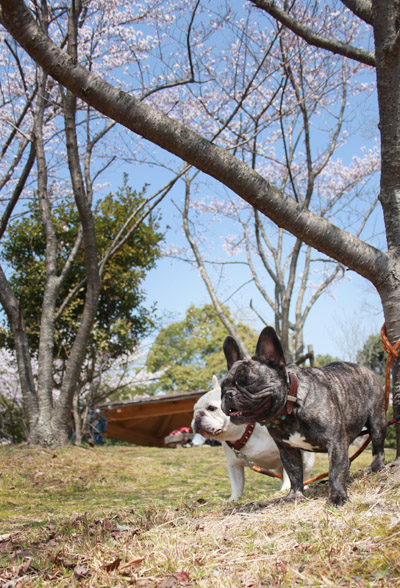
254	389
208	418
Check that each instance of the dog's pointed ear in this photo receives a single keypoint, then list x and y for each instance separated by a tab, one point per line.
232	351
269	347
215	382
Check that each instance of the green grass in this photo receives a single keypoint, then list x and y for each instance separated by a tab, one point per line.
121	516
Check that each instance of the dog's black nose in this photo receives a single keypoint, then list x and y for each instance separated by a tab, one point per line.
230	393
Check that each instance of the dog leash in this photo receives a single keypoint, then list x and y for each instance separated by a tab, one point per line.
391	351
259	469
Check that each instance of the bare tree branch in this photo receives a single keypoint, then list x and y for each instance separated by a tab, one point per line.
203	272
254	273
83	203
18	189
17	125
313	38
14	164
120	239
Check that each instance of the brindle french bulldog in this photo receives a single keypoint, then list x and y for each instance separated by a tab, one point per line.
317	409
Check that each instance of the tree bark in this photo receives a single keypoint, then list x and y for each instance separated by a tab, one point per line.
42	433
16	321
77	419
93	282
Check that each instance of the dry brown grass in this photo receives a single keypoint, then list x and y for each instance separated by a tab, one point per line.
131	516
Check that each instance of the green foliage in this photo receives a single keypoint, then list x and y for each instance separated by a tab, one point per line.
373	356
121	317
190	351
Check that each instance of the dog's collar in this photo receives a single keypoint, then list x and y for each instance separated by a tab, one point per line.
240	443
292	396
291	399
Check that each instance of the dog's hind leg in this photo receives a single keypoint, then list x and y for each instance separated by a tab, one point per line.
338	468
308	463
285	480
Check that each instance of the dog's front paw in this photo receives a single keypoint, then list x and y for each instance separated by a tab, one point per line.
293	497
378	463
233	498
338	499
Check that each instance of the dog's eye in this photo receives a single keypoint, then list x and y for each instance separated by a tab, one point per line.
242	377
211	408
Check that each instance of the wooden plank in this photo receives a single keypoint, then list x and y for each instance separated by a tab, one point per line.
133	436
122	413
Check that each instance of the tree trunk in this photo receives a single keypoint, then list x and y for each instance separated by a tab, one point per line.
77	419
390	297
386	16
396	400
47	433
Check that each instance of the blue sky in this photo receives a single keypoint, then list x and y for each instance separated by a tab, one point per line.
338	324
352	309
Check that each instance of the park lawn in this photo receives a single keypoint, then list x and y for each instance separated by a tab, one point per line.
117	516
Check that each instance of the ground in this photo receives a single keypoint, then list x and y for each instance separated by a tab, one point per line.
119	516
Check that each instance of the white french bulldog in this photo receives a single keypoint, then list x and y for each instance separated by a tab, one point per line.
257	447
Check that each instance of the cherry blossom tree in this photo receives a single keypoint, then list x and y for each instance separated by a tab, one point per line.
285	121
12	421
172	123
54	149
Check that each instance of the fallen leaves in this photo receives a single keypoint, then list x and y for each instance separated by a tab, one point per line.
81	571
110	567
16	575
175	579
132	562
130	532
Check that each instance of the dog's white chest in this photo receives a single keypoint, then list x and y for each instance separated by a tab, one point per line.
296	440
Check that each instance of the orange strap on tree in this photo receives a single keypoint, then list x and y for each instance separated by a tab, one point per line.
391	351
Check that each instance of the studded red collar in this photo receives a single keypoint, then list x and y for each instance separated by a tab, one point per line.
240	443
